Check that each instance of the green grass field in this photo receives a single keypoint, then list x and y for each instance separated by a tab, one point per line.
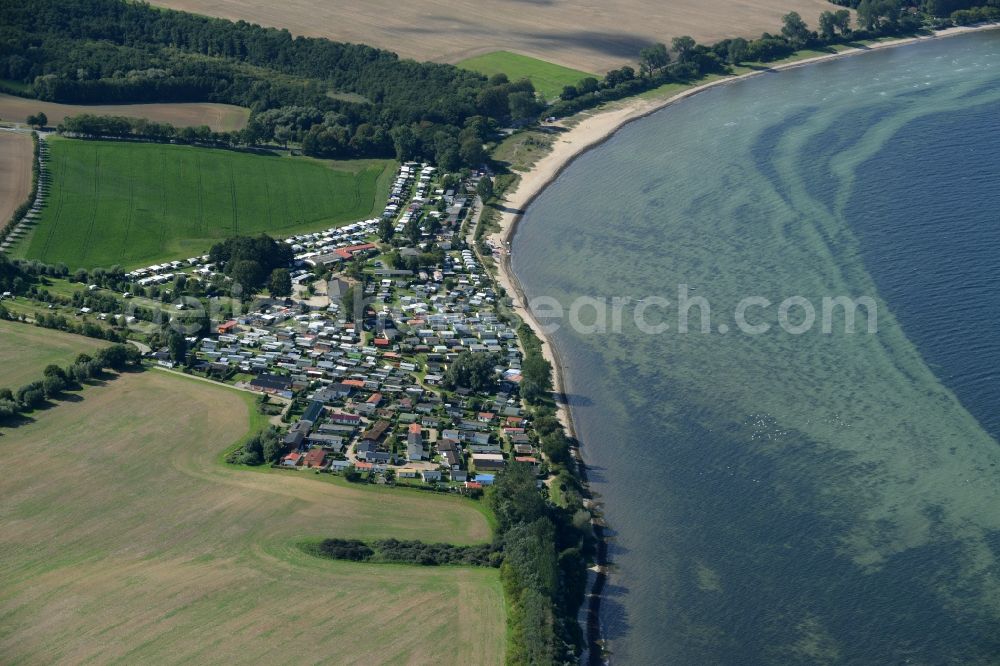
25	350
123	539
135	204
549	78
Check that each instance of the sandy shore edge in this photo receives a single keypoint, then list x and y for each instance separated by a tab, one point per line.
594	130
589	133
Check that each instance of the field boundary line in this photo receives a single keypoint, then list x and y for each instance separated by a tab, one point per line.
267	200
163	203
129	212
357	188
232	196
58	211
201	198
97	199
298	203
206	380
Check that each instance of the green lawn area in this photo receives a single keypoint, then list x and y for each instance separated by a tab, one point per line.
548	77
135	204
25	350
126	540
521	150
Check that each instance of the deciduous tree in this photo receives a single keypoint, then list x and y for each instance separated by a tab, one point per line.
795	30
280	284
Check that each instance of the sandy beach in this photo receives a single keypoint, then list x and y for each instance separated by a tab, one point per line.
594	130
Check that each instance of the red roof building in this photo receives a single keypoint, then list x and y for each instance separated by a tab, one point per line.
315	457
349	252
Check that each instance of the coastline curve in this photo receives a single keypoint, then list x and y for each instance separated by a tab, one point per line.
590	133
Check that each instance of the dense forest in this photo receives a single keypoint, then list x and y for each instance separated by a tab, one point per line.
349	100
338	100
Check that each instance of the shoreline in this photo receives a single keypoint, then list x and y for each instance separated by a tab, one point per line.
592	131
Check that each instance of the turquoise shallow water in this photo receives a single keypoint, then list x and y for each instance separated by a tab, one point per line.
778	498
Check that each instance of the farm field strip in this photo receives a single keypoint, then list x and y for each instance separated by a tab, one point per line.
137	203
136	544
15	172
548	78
219	117
26	349
582	34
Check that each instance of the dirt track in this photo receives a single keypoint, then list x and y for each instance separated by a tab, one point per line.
15	172
591	35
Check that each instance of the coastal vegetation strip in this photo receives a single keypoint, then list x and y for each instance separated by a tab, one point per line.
554	149
550	151
771	154
201	537
129	198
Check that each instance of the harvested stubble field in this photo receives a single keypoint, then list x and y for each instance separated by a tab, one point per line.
25	350
136	204
590	35
220	117
15	172
123	538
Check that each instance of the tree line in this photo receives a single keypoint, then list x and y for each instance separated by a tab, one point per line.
348	100
544	549
685	60
90	125
55	379
536	371
395	551
336	99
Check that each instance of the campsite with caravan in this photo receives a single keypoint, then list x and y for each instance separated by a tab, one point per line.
275	384
381	373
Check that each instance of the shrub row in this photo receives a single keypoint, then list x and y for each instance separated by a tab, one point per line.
409	552
55	379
